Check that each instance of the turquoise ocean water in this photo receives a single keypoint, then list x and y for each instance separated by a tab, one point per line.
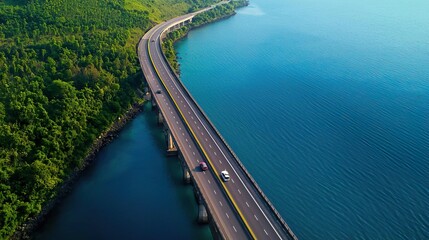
326	102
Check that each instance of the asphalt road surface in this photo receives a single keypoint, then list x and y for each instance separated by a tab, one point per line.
236	206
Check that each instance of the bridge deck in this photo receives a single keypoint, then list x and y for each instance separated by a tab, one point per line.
239	208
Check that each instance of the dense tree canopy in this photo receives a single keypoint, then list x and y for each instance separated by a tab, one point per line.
68	68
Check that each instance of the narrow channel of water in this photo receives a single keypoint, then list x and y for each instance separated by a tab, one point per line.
132	191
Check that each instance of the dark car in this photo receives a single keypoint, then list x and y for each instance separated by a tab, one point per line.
203	166
158	91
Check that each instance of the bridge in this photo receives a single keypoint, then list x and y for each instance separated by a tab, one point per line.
237	209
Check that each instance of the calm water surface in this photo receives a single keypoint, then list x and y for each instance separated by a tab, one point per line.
327	104
131	192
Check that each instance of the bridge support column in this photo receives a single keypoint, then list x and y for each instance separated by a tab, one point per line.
153	103
160	119
171	147
186	175
185	170
147	95
203	217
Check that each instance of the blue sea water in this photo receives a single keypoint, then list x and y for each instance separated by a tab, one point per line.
132	191
326	102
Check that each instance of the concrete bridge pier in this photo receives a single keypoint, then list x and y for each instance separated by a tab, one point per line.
171	146
147	94
186	173
185	170
153	102
160	118
203	216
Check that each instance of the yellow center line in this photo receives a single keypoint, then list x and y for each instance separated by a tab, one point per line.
201	147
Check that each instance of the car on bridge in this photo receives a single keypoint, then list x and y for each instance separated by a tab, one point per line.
225	175
158	91
203	166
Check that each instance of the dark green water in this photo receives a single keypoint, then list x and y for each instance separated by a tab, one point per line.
133	191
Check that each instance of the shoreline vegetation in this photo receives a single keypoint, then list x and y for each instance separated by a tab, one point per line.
26	230
218	13
69	81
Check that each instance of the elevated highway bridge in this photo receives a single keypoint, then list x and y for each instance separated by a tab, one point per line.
237	209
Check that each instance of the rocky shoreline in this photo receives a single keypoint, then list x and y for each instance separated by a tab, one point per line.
27	230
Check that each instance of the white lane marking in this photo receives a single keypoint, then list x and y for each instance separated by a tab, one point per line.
265	232
232	180
169	73
220	203
186	139
180	128
210	145
227	215
203	172
193	153
183	134
189	146
206	139
177	122
215	153
189	112
192	117
174	117
195	122
214	192
247	204
239	191
198	127
256	217
234	228
202	133
209	181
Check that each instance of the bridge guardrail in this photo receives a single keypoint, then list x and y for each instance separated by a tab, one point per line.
267	201
198	188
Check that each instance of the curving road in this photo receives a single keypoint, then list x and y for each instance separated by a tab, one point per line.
237	207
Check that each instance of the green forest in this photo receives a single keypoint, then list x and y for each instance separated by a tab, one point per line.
68	69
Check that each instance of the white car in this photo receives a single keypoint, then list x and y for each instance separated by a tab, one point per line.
225	175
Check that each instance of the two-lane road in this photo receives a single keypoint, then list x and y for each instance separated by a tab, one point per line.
217	202
198	140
